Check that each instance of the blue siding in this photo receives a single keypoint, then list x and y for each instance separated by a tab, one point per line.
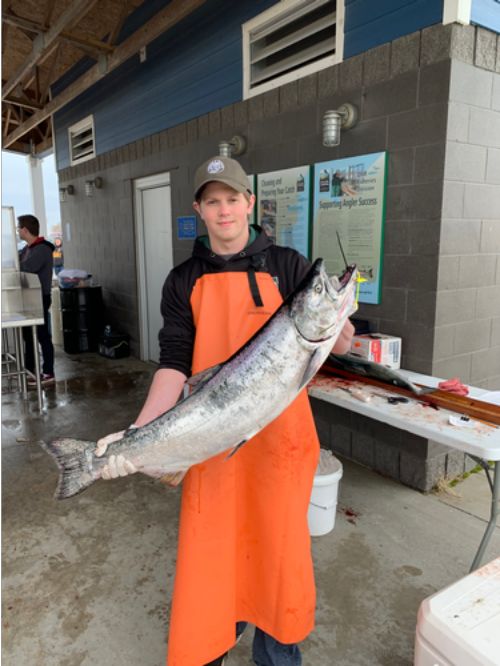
369	23
486	13
193	69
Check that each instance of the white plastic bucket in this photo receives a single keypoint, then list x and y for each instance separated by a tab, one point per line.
323	503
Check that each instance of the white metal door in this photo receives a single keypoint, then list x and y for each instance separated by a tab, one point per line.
154	255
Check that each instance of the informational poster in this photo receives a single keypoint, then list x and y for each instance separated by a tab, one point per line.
283	206
349	204
186	227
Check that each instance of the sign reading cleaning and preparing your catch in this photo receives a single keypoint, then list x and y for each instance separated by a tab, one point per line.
284	206
349	199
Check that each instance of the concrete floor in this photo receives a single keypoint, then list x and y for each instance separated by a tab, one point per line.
88	581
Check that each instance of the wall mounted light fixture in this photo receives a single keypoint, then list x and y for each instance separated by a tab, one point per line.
90	184
345	117
234	147
63	191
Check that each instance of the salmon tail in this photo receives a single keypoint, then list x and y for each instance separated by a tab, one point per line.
74	459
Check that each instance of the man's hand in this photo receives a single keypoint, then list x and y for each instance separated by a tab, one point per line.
343	344
116	465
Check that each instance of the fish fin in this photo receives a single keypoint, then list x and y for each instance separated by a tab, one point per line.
314	364
173	478
74	459
198	380
236	448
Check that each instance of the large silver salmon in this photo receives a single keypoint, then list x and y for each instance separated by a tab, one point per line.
233	401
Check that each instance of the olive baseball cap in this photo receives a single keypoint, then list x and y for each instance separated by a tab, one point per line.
223	170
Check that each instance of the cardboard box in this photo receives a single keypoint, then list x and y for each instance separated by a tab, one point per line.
379	348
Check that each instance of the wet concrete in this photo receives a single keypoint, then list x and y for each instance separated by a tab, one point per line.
88	581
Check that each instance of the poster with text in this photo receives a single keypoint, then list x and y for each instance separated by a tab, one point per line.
349	203
283	206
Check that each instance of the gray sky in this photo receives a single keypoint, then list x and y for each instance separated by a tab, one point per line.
16	190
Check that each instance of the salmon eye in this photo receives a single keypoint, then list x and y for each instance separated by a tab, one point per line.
318	288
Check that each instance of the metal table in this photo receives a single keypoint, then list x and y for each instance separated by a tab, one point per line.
17	321
481	442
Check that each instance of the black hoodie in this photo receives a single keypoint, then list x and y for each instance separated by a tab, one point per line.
37	258
286	266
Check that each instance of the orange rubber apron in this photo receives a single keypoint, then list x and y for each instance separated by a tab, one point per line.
244	547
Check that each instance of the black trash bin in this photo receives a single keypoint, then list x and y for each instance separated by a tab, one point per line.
82	319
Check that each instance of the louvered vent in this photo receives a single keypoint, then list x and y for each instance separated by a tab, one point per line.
81	141
286	44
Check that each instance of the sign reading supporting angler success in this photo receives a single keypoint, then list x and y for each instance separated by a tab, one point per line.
349	199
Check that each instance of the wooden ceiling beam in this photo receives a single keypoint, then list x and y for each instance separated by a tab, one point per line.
25	103
89	43
46	42
113	35
20	22
160	23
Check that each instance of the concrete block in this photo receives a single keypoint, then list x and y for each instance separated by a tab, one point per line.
323	430
396	237
488	301
470	85
362	449
413	444
484	127
429	163
203	126
266	131
482	201
495	332
465	162
289	126
255	108
227	118
386	460
497	64
328	81
421	307
485	364
214	123
490	236
477	270
454	464
493	166
405	54
307	90
417	340
192	130
414	202
351	73
418	127
455	306
274	156
463	39
419	474
390	97
486	49
472	336
444	342
271	103
458	366
425	236
460	236
400	167
453	199
369	136
458	122
434	83
240	110
393	305
435	44
407	271
288	97
341	440
376	64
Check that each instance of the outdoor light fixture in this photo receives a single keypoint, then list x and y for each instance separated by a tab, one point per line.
90	184
345	117
234	147
63	191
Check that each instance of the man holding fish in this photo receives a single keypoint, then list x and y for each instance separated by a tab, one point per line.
244	547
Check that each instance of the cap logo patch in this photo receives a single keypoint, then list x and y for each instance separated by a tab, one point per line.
215	166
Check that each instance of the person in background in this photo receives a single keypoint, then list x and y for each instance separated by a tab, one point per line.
58	256
244	552
36	257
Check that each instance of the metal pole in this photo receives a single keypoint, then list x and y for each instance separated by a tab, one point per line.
37	368
495	498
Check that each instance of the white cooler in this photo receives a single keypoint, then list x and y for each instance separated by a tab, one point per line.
460	626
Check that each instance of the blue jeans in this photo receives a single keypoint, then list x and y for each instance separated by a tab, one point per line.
267	651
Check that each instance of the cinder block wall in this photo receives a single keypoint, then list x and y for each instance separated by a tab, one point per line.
402	90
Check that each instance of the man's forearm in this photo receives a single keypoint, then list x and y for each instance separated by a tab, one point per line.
164	392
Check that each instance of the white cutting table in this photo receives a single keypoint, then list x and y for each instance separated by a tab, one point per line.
480	441
17	321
